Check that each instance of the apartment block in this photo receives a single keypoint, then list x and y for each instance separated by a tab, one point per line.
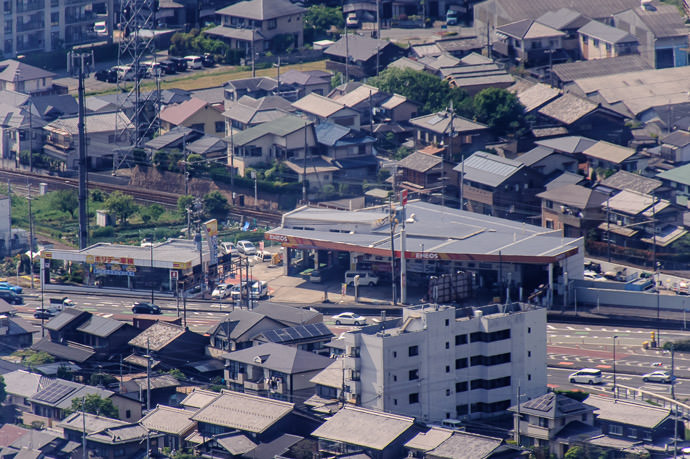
441	362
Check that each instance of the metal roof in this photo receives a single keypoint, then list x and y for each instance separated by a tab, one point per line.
571	71
568	144
100	326
606	33
680	174
488	169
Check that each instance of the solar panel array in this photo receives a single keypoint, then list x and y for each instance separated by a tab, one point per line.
541	404
54	393
568	405
285	335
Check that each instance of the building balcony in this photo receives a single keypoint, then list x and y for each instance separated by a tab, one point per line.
534	431
257	385
75	18
30	26
30	6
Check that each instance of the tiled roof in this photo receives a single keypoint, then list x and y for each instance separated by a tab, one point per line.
419	162
14	71
167	419
568	109
261	10
178	114
571	71
318	105
609	152
280	358
157	336
360	48
606	33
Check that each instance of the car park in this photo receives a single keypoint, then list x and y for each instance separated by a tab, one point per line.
11	297
659	376
7	286
349	318
246	247
143	307
365	278
587	376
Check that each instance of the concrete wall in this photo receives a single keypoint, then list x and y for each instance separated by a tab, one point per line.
590	295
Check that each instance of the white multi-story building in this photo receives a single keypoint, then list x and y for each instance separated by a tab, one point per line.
440	362
44	25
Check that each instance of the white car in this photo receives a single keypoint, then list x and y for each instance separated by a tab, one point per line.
230	248
660	376
246	247
349	318
365	278
586	376
221	291
352	20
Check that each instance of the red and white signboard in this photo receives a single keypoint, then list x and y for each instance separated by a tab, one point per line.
404	197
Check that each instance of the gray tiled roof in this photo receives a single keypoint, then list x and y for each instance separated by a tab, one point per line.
419	162
563	18
100	326
359	48
571	71
535	155
261	10
520	9
606	33
157	336
62	351
167	419
553	406
662	19
440	122
279	357
488	169
465	445
623	180
289	315
537	95
65	318
576	196
568	109
677	139
14	71
568	144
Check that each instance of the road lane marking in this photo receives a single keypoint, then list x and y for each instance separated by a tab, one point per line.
565	363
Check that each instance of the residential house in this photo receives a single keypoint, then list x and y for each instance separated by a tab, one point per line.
362	54
567	21
195	114
573	145
565	74
608	156
428	176
104	133
260	25
572	209
198	398
398	109
291	315
677	182
106	438
82	337
248	112
660	30
473	78
316	81
675	147
51	403
15	333
257	88
20	386
601	41
209	147
538	422
348	149
173	423
536	96
258	418
328	389
20	77
20	131
528	42
354	430
360	97
238	329
310	338
39	444
283	139
636	424
440	443
485	353
169	346
463	137
50	107
176	138
321	109
9	433
547	161
163	389
498	186
623	180
273	370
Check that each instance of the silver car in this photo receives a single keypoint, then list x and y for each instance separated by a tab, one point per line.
660	376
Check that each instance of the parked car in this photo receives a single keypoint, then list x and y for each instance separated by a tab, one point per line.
124	72
100	28
352	20
230	248
221	291
451	17
46	313
365	278
168	67
180	63
263	255
349	318
239	291
61	303
246	247
11	297
586	376
207	60
259	290
7	286
659	376
142	307
193	62
107	75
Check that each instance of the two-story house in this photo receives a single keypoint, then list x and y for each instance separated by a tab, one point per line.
274	370
195	114
168	345
238	329
608	156
502	187
601	41
464	136
25	78
260	25
174	424
676	184
426	175
321	109
573	209
248	112
357	55
675	147
528	41
316	81
348	149
567	21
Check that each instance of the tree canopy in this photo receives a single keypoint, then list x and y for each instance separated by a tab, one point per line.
432	93
318	20
216	205
95	404
65	201
499	109
121	206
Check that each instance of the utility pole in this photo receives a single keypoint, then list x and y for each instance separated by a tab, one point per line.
347	55
153	238
608	227
253	53
148	374
392	223
232	165
656	266
31	237
31	138
83	161
84	454
403	265
378	33
304	167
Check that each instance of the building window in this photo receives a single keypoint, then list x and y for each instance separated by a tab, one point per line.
549	223
197	127
395	401
461	386
461	410
447	345
413	374
491	337
460	340
529	353
447	368
128	413
632	432
395	354
447	395
414	398
584	417
412	351
272	24
529	329
615	429
460	363
543	422
220	126
529	377
395	378
447	322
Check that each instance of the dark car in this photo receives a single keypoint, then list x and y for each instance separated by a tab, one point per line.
180	63
107	75
145	308
11	297
169	67
207	60
45	313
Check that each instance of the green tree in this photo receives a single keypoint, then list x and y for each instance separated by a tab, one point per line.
121	205
184	202
65	201
33	358
155	210
95	404
97	196
196	164
576	452
432	93
318	21
216	205
499	109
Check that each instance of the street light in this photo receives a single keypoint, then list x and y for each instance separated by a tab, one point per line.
614	365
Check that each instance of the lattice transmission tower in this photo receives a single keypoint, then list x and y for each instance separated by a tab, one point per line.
138	109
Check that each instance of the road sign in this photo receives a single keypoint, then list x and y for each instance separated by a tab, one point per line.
173	274
404	197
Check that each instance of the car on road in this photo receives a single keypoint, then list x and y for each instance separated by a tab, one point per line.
11	297
349	318
221	291
7	286
46	313
246	248
660	376
239	291
142	307
365	278
586	376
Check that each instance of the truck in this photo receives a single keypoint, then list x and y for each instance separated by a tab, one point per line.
61	303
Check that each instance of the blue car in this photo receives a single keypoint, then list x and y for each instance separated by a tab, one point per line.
8	286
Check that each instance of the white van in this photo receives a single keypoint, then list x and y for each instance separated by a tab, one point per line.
453	424
365	278
153	69
124	72
586	376
259	290
194	62
100	28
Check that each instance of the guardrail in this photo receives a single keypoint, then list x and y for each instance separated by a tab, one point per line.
637	394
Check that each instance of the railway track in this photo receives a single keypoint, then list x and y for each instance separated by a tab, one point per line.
163	198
